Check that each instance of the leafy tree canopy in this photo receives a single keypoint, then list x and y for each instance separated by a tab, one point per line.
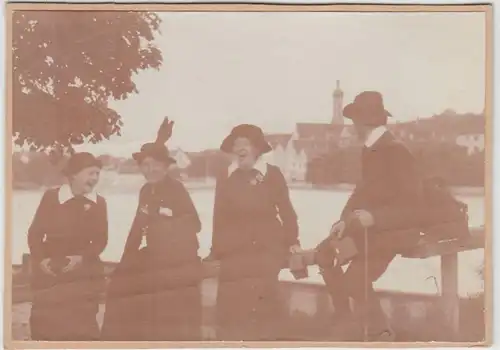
66	67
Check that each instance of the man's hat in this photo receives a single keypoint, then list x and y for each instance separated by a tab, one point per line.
368	108
157	150
251	132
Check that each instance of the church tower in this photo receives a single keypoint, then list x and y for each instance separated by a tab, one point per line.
338	106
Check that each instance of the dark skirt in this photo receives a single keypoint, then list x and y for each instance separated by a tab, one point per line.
250	305
150	300
64	307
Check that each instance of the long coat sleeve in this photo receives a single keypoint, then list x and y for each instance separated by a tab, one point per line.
186	216
181	224
245	214
38	229
218	219
403	210
286	210
391	188
99	235
134	237
155	293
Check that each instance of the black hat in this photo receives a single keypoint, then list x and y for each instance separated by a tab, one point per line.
368	108
251	132
79	161
157	150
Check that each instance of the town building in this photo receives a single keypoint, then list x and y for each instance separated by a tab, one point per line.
474	143
293	152
288	156
449	127
181	158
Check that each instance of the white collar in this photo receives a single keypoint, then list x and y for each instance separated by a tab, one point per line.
375	135
65	194
259	165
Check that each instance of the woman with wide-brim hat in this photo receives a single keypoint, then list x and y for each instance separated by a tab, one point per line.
67	235
254	228
154	294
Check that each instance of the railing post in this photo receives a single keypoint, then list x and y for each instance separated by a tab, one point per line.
450	298
26	265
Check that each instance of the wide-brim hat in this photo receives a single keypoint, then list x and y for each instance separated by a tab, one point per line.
367	108
79	161
251	132
156	151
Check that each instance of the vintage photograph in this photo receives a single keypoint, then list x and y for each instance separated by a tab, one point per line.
255	173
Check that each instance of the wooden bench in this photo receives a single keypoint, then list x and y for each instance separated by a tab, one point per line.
448	253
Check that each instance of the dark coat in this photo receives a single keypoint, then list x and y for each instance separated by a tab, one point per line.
391	190
64	306
154	293
254	224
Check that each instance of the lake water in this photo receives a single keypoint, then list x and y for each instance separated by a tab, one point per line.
316	210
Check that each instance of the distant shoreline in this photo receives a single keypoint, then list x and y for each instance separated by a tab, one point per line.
199	185
345	187
112	182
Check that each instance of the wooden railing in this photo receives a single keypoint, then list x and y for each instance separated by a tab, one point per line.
447	251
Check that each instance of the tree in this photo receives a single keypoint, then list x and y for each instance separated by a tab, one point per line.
208	163
66	67
198	166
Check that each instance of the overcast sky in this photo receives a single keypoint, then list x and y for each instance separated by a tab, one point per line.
277	69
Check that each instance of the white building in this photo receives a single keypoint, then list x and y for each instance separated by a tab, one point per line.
181	158
473	142
287	156
292	152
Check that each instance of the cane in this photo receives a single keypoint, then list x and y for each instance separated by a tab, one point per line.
365	318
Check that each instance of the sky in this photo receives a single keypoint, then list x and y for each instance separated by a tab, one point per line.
277	69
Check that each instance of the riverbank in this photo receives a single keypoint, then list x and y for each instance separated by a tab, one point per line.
126	186
345	187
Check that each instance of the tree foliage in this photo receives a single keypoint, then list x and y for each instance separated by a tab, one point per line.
38	171
67	65
448	161
433	143
207	164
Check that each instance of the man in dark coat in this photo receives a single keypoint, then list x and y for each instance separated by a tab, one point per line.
378	217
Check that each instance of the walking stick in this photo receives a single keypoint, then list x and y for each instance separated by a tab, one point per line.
365	313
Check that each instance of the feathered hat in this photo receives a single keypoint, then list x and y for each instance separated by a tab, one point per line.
157	149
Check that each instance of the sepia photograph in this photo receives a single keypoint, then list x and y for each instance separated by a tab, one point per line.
247	175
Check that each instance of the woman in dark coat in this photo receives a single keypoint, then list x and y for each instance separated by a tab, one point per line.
67	235
154	294
254	229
